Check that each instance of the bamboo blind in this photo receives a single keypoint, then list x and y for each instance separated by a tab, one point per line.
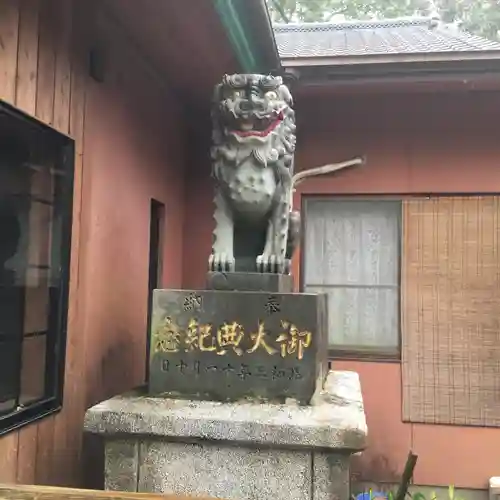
450	310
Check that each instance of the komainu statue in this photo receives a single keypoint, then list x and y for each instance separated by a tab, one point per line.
252	154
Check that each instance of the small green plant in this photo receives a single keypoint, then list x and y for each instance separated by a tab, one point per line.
418	495
433	496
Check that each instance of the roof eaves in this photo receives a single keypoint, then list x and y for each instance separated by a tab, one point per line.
248	27
464	71
334	61
474	41
261	29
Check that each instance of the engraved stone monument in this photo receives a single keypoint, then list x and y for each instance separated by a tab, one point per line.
239	403
225	345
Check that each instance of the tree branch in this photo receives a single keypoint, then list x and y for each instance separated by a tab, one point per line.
342	12
281	11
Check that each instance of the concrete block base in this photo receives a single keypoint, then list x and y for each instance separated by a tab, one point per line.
236	451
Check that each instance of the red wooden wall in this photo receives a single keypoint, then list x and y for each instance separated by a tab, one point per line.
129	134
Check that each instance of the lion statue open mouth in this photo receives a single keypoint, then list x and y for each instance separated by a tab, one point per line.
252	154
255	124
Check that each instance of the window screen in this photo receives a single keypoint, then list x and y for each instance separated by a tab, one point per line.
352	252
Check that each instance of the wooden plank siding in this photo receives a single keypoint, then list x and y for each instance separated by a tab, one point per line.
43	73
27	492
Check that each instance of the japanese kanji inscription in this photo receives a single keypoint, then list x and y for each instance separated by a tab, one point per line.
170	338
229	346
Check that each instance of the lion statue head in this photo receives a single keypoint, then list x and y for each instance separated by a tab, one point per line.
252	114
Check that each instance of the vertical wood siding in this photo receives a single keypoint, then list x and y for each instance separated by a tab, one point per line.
42	72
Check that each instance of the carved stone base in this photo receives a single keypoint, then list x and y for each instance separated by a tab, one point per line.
239	451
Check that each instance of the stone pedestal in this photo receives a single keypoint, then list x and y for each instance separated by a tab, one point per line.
250	282
237	451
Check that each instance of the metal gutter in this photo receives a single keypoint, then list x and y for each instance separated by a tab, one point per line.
250	33
459	70
257	11
434	57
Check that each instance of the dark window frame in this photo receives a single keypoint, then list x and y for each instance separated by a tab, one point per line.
155	271
56	339
347	352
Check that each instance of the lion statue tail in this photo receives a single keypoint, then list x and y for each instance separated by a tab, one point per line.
293	233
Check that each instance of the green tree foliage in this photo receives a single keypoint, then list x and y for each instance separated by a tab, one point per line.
480	17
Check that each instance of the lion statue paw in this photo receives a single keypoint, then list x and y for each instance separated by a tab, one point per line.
221	263
273	264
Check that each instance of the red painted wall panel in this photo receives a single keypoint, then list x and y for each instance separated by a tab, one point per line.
134	147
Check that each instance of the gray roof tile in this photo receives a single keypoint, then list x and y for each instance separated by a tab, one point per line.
393	36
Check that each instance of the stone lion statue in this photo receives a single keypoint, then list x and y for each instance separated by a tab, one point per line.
252	165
